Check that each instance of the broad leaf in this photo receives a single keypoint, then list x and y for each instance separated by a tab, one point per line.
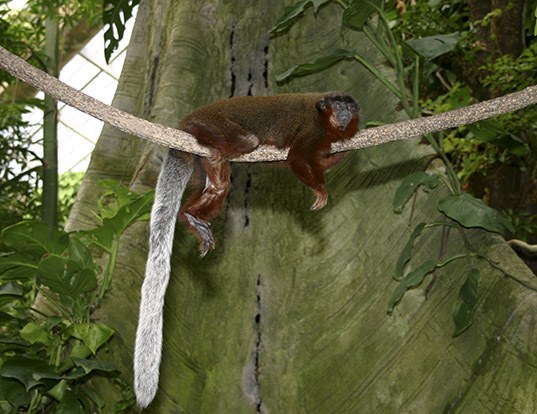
492	132
433	46
29	371
89	365
409	185
290	13
65	277
33	237
18	266
11	289
357	13
472	212
13	391
464	307
317	65
80	254
406	254
112	227
411	280
69	404
34	333
115	16
58	391
94	335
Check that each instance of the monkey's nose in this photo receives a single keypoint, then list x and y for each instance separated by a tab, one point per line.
344	118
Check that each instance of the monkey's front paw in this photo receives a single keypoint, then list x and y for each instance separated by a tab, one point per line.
204	232
320	202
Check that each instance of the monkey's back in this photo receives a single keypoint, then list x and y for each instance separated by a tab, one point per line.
275	120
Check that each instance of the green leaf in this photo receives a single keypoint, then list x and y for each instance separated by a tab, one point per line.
464	307
357	13
290	13
94	335
58	391
114	196
11	289
29	371
112	227
80	254
18	266
406	254
317	65
492	132
34	333
56	322
14	343
89	365
472	212
63	276
33	237
433	46
409	185
13	391
115	15
69	404
411	280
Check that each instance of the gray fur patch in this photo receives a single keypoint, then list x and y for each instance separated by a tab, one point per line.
173	178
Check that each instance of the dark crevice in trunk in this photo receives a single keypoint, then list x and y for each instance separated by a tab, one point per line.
258	347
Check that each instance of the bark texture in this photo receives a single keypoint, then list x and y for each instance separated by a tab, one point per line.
288	315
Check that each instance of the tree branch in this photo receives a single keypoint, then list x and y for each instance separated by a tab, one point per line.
180	140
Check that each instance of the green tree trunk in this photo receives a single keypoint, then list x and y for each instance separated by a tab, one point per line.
289	313
50	130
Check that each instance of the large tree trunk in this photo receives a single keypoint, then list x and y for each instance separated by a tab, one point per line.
288	314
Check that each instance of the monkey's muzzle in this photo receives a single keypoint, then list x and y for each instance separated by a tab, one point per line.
343	119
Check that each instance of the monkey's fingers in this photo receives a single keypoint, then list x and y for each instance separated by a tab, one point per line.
204	233
320	202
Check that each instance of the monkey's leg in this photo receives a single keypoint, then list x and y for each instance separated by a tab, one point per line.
311	173
206	204
223	135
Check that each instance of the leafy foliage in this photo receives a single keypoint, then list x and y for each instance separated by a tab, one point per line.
409	185
115	16
290	14
472	212
432	47
19	166
49	354
411	49
464	307
68	183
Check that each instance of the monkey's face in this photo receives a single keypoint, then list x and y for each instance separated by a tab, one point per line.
340	110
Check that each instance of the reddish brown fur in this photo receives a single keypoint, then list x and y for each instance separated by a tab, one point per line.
300	122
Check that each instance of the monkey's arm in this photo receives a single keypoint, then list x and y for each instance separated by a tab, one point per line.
329	160
308	167
173	178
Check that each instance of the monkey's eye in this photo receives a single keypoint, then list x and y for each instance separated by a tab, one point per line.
337	105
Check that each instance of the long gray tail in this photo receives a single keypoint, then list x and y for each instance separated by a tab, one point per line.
173	178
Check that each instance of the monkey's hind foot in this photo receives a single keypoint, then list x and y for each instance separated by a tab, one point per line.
320	202
203	232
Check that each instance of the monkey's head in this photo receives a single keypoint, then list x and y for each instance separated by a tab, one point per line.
342	111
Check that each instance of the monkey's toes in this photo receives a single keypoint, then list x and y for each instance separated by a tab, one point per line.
204	232
320	202
207	243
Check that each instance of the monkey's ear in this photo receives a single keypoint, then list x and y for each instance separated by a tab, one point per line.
321	105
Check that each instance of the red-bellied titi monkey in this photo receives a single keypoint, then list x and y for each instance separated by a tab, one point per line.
306	123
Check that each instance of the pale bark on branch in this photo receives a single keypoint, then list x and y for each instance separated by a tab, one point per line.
180	140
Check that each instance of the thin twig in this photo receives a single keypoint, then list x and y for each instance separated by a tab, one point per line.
180	140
